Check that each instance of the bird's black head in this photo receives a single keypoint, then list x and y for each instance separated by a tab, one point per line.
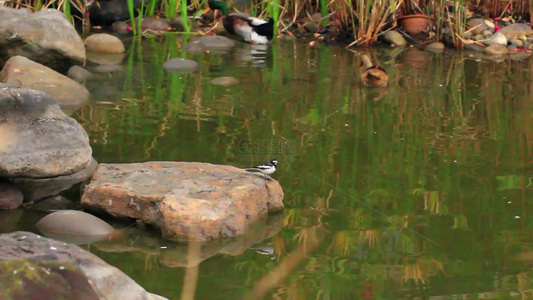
274	162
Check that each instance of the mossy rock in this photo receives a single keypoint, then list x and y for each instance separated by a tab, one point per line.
24	279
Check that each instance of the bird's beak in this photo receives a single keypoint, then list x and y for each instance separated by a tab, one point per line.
206	10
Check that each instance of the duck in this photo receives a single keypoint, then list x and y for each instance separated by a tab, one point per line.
250	29
373	76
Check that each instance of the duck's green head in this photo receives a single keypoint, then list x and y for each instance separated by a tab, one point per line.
217	4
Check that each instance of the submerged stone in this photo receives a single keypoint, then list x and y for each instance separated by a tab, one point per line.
225	81
496	50
187	200
180	65
73	226
78	74
211	43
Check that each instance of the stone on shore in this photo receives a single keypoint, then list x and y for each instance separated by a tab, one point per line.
187	200
46	37
22	72
78	273
395	38
36	138
517	30
478	25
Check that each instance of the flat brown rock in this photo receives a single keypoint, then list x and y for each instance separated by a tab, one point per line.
187	200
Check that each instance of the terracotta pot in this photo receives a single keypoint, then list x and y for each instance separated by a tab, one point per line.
414	24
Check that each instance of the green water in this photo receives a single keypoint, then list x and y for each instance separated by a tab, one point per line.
421	189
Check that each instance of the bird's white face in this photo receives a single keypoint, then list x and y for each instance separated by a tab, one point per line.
274	162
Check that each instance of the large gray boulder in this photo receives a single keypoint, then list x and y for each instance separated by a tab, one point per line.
90	278
45	36
36	138
189	201
20	71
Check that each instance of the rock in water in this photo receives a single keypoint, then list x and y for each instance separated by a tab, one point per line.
225	81
211	43
73	226
36	138
35	189
496	50
79	74
55	280
187	200
103	43
180	65
10	196
435	47
45	36
20	71
106	281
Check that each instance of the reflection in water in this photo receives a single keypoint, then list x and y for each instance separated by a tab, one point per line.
420	190
257	54
179	255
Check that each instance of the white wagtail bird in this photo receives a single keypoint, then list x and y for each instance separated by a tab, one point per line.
266	168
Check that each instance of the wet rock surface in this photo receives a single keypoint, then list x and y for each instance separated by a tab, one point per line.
107	282
73	226
26	279
10	196
20	71
35	189
36	138
186	200
45	36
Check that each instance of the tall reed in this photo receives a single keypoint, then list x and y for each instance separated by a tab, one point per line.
131	9
370	16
